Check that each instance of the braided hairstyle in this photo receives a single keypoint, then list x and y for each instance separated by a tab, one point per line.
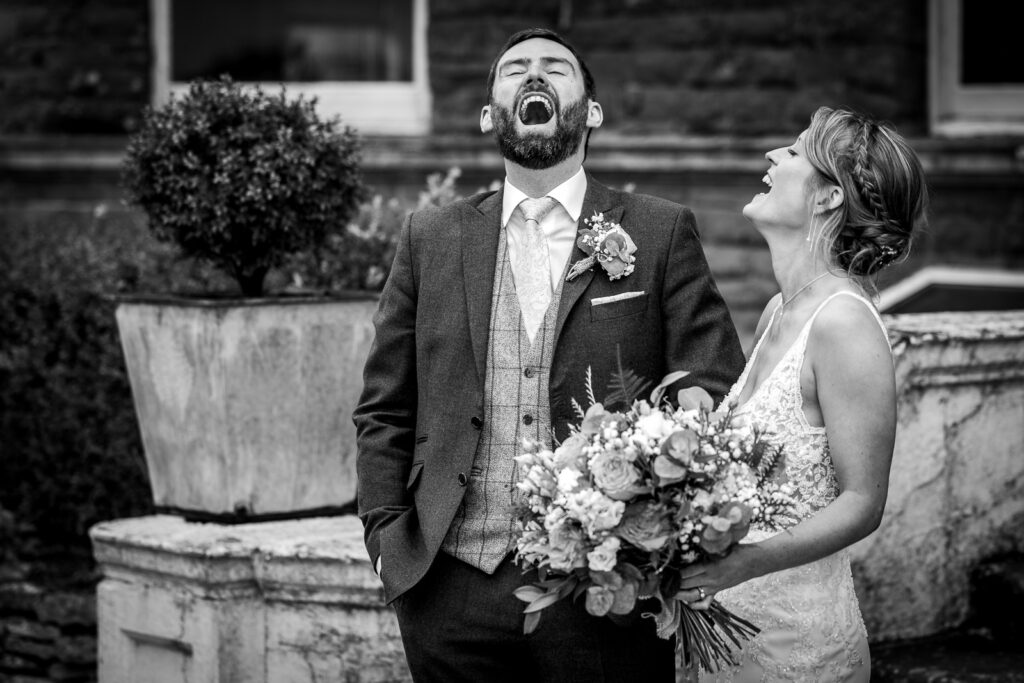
885	197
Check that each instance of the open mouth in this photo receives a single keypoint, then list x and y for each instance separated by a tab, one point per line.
536	109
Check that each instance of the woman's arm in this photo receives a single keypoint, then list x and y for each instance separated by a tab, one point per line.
854	387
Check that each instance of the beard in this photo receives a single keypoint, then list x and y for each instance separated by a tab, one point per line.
534	150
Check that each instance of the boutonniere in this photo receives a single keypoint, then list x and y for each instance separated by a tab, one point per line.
606	243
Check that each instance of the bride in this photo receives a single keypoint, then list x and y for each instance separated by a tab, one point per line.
844	201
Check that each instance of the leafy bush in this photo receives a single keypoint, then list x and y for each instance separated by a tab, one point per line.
360	258
70	450
241	178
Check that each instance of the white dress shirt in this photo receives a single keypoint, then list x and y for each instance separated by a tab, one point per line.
559	225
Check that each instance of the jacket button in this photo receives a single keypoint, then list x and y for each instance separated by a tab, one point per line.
476	421
527	419
528	373
463	479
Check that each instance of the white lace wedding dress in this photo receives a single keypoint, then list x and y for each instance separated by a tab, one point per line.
810	621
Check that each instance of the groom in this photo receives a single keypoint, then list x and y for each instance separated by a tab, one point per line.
480	342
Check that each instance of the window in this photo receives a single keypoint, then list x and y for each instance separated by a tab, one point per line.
977	77
364	61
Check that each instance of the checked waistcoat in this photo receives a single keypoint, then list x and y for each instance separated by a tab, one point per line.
516	405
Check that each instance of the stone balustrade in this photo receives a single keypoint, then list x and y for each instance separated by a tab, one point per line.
956	489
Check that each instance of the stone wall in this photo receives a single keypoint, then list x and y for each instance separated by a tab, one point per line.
73	67
706	67
47	632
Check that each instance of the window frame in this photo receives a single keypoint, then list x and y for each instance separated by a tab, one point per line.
373	108
958	110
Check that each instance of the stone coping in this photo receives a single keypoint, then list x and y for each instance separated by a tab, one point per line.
981	348
916	329
321	559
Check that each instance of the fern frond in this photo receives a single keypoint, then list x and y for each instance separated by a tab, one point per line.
625	385
590	387
769	462
580	413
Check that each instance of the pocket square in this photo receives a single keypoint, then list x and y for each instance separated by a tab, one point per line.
618	297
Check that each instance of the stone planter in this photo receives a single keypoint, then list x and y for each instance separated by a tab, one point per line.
245	406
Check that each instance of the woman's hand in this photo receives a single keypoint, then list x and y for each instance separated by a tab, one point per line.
701	581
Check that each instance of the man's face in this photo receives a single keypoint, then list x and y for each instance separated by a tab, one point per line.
539	112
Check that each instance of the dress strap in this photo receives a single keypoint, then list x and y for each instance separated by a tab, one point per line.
805	333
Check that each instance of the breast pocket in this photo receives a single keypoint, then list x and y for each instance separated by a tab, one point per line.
618	309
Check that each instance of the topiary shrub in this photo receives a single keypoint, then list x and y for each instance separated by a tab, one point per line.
243	179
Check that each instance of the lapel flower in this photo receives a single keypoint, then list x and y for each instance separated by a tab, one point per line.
606	243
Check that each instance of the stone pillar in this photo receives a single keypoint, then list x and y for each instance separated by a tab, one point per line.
261	603
956	490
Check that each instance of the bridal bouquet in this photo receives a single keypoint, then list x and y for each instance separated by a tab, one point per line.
629	498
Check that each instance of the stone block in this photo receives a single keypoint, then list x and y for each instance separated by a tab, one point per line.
28	628
20	596
29	647
76	650
12	663
13	571
64	673
65	608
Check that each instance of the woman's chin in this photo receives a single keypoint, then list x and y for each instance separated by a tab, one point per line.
750	211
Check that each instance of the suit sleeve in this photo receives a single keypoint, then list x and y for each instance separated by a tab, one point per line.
386	415
699	333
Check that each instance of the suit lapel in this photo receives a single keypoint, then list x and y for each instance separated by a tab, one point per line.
598	199
480	228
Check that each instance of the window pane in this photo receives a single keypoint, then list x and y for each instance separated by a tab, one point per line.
292	40
991	46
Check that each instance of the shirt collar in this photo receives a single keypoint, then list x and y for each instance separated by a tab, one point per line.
569	194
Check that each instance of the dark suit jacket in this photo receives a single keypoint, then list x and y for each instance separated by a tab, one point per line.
419	417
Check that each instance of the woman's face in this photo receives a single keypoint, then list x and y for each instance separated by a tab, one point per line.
788	201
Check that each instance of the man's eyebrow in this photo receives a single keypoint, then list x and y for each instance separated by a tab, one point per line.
546	61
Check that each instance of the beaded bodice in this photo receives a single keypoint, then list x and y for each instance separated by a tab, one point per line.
777	406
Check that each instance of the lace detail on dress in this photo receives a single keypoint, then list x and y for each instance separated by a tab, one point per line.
811	625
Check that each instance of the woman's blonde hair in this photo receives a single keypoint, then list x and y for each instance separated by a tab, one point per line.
885	196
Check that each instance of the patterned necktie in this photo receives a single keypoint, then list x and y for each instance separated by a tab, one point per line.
533	272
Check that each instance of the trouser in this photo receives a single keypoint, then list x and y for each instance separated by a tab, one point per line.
460	624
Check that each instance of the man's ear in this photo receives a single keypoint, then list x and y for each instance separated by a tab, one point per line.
486	125
595	115
830	199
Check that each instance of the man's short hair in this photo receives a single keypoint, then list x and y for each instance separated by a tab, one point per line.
589	87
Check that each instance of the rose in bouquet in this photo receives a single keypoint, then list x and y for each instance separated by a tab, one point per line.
631	497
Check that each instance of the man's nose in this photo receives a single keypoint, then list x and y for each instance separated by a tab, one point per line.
535	75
